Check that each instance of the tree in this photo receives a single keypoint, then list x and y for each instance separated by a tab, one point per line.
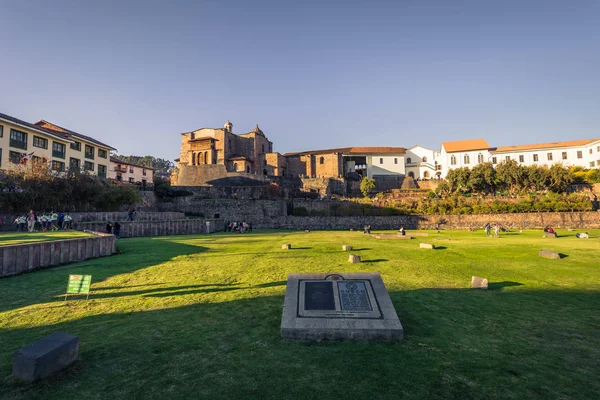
482	178
559	178
510	175
458	180
367	185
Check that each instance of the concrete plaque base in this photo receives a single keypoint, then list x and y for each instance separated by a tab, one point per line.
352	306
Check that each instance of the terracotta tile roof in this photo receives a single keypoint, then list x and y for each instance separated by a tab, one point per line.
351	150
16	121
73	135
465	145
119	161
540	146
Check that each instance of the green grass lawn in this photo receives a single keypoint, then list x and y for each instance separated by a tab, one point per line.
197	317
10	238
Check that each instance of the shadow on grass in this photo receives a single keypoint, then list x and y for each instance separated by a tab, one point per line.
374	261
443	330
440	248
502	285
563	255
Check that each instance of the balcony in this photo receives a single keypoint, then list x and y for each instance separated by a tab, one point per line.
120	169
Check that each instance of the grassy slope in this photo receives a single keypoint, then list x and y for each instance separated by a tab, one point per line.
198	317
10	238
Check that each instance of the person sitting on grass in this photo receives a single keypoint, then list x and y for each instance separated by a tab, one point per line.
401	232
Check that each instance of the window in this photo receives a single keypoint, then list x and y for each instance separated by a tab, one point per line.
58	165
598	149
18	139
453	160
592	163
101	153
425	159
590	148
40	142
426	174
88	166
507	158
89	152
535	157
395	161
564	155
480	158
144	171
75	164
521	158
101	170
549	156
130	170
381	161
2	131
131	180
580	154
15	157
76	146
0	157
263	148
322	160
467	160
494	160
58	150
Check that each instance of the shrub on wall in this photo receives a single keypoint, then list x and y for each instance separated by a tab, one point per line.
36	186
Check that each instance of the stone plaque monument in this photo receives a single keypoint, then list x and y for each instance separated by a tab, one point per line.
339	306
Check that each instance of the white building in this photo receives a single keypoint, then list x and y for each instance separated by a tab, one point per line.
583	153
468	153
123	171
463	153
423	163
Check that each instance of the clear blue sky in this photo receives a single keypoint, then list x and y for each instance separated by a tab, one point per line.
312	74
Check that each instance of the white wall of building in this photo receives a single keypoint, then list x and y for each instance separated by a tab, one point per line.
457	159
385	164
422	162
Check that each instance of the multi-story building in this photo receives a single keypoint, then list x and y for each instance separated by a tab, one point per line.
44	141
423	163
124	171
468	153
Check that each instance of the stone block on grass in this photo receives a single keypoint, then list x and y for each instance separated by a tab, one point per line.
346	247
45	357
286	246
426	246
479	283
549	254
550	235
354	259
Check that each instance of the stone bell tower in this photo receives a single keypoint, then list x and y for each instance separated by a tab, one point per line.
228	127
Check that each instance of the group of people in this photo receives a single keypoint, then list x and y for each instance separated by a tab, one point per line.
488	229
239	227
47	222
114	229
367	229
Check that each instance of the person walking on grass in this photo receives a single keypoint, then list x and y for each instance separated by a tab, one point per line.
488	229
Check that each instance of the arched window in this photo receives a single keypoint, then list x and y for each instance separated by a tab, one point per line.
425	159
265	172
248	169
480	158
426	174
206	157
467	159
453	160
263	148
201	158
234	167
193	158
408	160
322	160
411	175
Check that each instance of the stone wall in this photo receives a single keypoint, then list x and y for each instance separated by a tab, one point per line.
582	220
159	228
16	259
103	216
232	210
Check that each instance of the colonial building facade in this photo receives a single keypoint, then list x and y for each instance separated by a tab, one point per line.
43	141
124	171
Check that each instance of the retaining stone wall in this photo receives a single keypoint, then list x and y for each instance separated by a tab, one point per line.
516	221
158	228
16	259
